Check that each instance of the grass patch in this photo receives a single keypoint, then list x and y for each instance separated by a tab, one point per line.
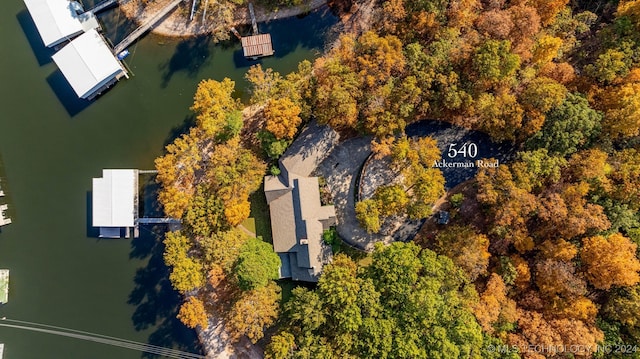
260	213
250	225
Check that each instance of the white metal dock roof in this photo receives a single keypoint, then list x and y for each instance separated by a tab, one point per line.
114	198
87	63
56	20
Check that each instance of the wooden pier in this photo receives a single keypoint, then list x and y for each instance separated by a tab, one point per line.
103	5
256	45
142	29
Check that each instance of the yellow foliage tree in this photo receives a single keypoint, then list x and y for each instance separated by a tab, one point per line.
255	311
192	313
610	261
212	103
282	118
622	110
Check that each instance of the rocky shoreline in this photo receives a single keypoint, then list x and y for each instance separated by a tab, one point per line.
177	23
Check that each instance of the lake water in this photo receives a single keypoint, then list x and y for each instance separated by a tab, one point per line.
51	145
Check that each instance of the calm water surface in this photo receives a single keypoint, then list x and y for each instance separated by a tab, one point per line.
51	145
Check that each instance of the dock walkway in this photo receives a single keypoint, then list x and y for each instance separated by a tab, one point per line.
145	220
103	5
4	286
146	26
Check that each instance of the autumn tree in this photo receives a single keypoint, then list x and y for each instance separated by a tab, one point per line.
368	215
256	265
212	104
282	118
610	261
622	110
255	311
495	311
468	249
193	313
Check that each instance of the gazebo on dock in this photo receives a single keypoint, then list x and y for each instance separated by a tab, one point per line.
115	202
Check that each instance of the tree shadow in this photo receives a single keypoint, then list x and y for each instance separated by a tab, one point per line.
67	97
190	56
177	131
41	52
156	302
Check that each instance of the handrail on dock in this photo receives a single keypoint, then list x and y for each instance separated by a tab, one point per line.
131	38
103	5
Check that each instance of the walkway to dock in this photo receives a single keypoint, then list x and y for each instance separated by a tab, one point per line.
103	5
146	26
4	286
158	220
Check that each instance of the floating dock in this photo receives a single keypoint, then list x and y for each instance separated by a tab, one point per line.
4	287
1	350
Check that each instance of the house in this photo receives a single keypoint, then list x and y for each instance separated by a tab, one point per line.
115	202
89	65
298	219
58	21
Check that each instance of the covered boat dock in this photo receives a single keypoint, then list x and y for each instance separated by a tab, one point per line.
89	65
59	21
115	202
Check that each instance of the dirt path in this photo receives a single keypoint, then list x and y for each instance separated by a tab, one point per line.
177	24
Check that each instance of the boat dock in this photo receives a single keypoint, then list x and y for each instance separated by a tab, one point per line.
256	45
4	286
148	24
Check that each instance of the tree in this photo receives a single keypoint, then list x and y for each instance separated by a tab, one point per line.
624	306
548	9
622	110
496	24
500	116
625	177
192	313
281	346
256	265
393	199
610	261
255	311
368	215
338	289
493	61
212	103
558	280
545	50
610	65
222	248
468	249
495	311
337	94
542	94
282	118
187	275
569	127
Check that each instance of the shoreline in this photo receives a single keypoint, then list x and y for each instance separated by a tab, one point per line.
177	24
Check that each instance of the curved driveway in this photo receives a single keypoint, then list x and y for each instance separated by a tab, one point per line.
342	166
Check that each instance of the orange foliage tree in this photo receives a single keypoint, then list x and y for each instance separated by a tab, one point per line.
610	261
